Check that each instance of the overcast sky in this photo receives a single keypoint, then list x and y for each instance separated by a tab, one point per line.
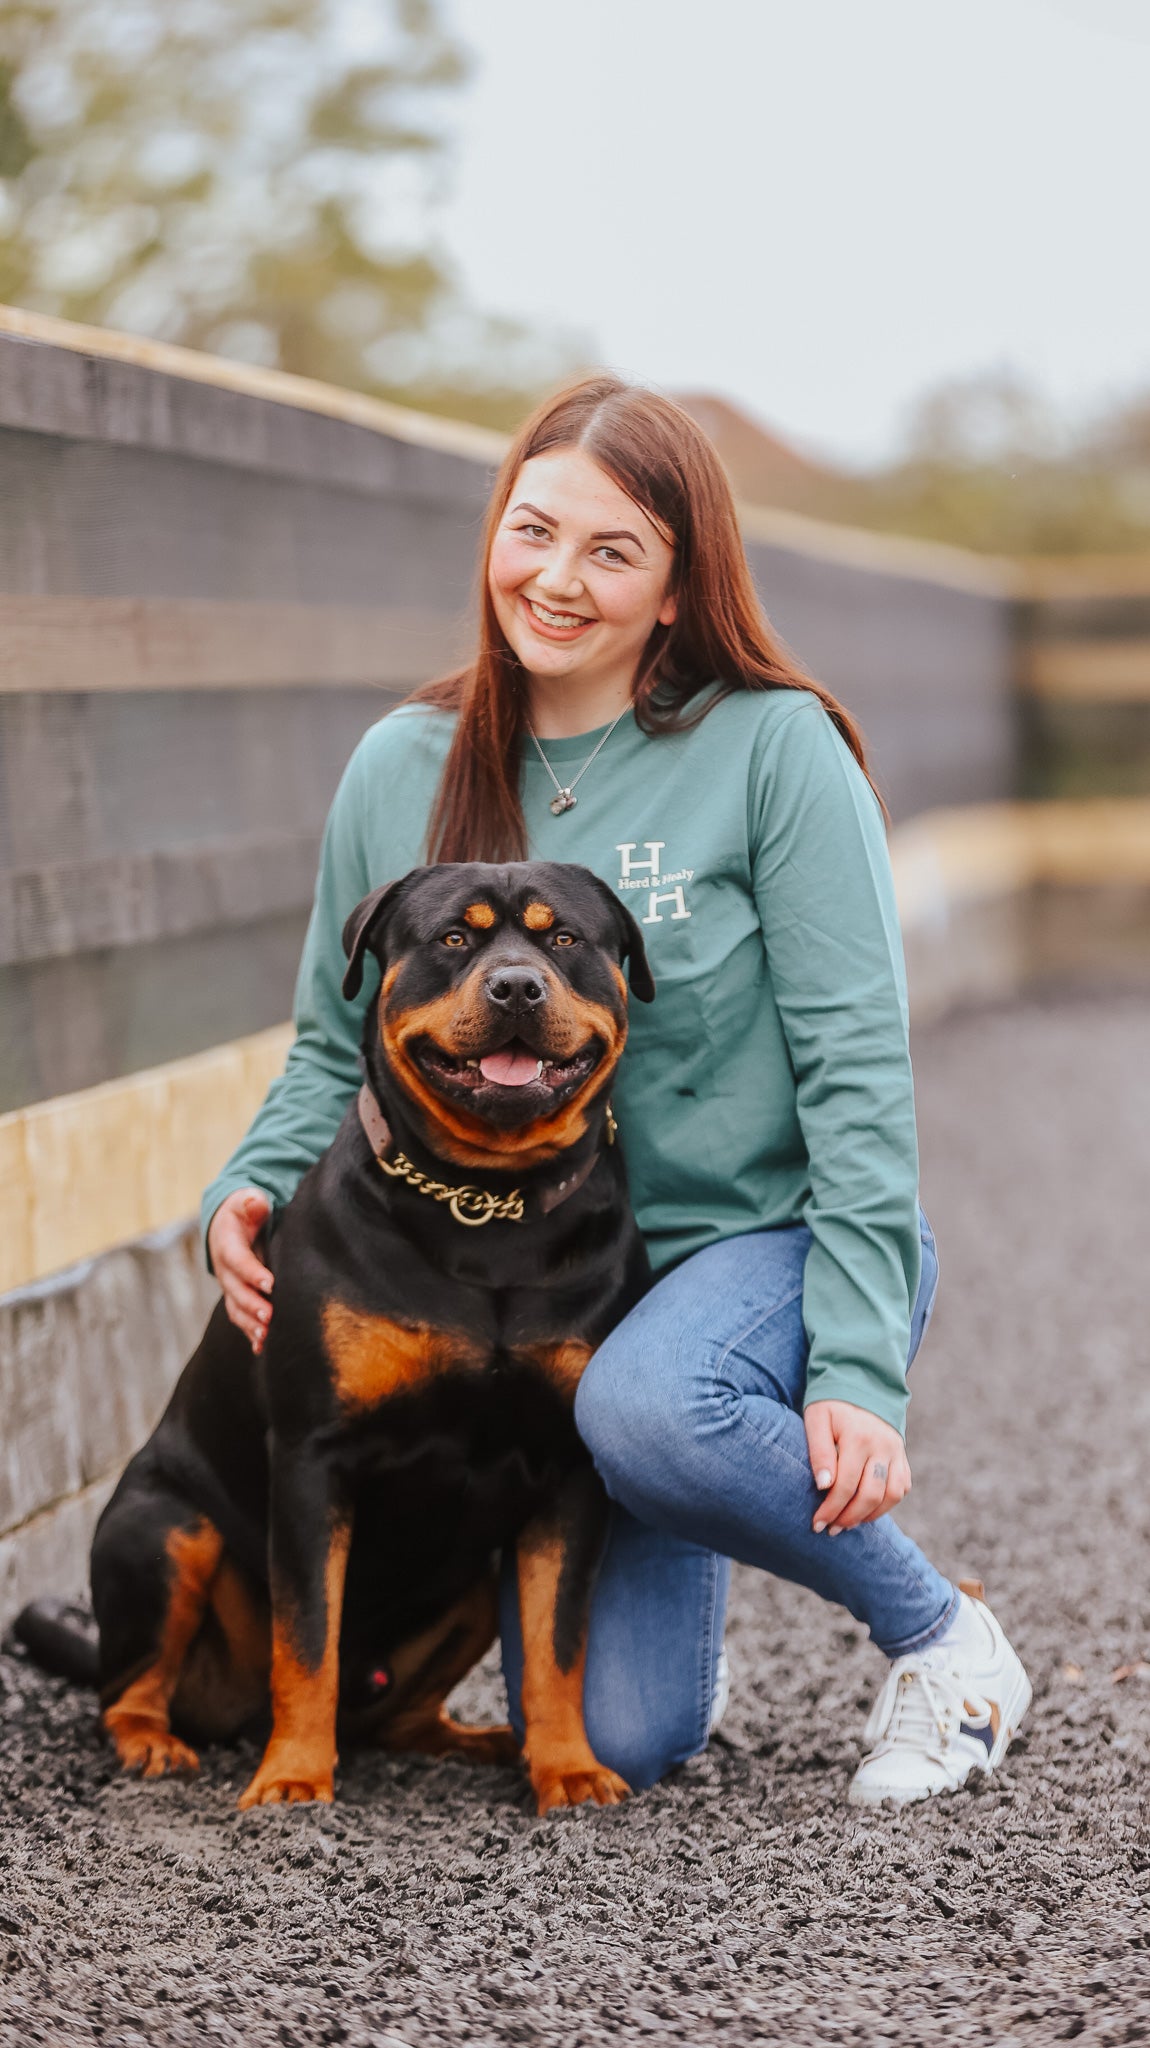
817	207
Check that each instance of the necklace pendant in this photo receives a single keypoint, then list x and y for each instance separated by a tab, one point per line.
562	801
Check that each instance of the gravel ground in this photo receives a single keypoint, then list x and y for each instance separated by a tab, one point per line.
742	1902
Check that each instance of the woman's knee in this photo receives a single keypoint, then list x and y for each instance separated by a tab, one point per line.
633	1423
653	1659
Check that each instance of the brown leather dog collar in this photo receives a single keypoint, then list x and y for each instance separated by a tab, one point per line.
468	1204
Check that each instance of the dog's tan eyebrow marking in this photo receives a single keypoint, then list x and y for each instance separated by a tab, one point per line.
539	917
480	915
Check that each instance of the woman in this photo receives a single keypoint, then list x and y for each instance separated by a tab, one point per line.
628	708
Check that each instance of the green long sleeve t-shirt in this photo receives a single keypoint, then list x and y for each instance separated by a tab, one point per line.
769	1083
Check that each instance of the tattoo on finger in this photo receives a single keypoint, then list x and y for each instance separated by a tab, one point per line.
879	1470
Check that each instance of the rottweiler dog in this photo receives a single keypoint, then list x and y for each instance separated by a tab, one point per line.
319	1529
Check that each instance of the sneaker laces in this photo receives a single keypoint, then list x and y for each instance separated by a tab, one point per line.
919	1702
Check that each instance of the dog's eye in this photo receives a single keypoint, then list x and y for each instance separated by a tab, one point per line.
454	938
564	939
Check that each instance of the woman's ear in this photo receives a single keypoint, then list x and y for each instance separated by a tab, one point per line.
669	610
365	927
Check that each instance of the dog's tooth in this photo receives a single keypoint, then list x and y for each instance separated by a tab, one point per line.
538	1069
473	1063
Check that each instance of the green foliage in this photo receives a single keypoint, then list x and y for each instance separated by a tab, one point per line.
987	467
252	177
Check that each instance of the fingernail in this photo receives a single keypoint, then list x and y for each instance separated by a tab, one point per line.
836	1532
822	1479
819	1527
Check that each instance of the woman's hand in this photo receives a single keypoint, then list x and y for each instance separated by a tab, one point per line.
859	1463
232	1234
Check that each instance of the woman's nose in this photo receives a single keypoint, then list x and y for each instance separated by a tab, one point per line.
559	574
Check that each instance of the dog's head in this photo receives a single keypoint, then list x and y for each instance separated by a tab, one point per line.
503	1004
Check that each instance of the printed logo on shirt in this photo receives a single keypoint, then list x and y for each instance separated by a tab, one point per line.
641	867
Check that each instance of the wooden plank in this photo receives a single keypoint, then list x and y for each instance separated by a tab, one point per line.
880	554
128	643
1094	671
83	1172
1056	577
131	899
403	423
977	851
17	1260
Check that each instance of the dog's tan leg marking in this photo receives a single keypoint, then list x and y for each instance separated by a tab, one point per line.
226	1673
300	1759
139	1721
564	1769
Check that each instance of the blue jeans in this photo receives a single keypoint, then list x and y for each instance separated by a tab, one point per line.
692	1410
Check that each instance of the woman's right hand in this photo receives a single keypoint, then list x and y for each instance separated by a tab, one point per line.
246	1282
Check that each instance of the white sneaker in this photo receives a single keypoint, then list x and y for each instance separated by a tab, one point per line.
944	1712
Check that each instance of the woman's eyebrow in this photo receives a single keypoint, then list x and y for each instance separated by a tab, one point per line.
620	533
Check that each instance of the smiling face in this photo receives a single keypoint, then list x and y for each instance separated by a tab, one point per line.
578	575
503	1005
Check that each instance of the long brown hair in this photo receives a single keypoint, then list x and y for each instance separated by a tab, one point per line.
655	453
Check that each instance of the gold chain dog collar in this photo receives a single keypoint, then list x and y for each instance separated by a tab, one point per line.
467	1204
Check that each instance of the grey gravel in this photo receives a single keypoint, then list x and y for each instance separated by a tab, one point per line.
743	1901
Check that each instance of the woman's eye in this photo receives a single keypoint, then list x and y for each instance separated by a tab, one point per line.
535	532
613	555
455	938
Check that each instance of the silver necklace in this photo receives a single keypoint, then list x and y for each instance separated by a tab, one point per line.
565	799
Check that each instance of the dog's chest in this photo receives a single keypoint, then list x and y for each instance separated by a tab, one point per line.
373	1358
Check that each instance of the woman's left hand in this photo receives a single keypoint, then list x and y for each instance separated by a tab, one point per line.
859	1462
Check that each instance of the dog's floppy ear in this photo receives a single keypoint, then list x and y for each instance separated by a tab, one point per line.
363	929
631	947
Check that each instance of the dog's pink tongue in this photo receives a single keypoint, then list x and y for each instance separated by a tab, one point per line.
510	1068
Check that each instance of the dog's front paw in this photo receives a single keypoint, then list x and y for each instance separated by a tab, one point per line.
577	1785
151	1752
290	1779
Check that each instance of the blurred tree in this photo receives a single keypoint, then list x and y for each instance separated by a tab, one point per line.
987	466
253	177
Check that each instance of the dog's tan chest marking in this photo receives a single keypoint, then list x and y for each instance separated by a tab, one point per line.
563	1364
372	1356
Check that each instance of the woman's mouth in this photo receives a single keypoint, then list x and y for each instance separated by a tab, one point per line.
554	625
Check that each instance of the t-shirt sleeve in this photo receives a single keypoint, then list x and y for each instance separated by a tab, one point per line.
825	898
304	1107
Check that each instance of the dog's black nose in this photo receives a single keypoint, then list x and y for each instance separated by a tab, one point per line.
512	986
